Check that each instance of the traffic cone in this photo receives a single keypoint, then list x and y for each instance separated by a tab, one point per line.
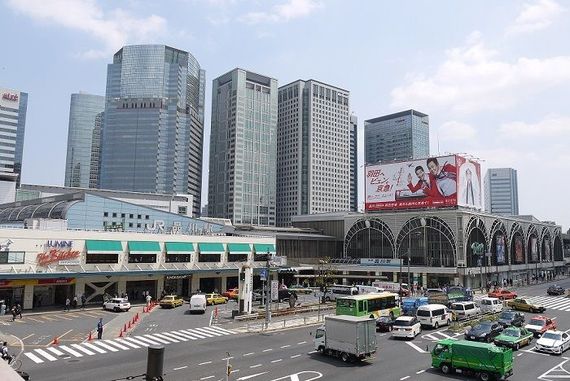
90	336
125	328
130	325
137	317
55	341
144	309
121	333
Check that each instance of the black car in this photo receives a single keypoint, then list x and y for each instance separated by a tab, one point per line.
510	317
384	324
484	331
555	290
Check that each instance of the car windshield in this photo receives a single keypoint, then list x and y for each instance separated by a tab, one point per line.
551	336
423	313
384	319
117	300
538	322
404	323
512	332
507	315
484	326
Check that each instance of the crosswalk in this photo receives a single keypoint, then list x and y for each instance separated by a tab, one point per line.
439	335
101	347
559	303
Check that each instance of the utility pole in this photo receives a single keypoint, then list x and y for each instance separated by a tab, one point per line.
268	292
228	366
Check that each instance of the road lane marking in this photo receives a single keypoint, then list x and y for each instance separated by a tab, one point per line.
70	351
174	336
95	348
267	350
34	319
295	356
106	346
133	340
250	376
207	378
256	366
249	354
285	346
27	337
164	337
420	371
157	338
519	355
205	363
311	352
34	358
55	351
302	342
189	332
45	354
122	341
275	361
182	334
118	345
181	367
404	378
222	330
84	350
416	347
145	339
227	358
209	331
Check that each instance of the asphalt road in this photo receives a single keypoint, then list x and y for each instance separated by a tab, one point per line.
193	352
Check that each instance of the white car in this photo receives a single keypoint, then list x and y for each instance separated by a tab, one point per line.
117	305
554	342
406	326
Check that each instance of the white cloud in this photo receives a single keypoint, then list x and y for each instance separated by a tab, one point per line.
553	128
114	28
290	10
474	78
454	130
534	17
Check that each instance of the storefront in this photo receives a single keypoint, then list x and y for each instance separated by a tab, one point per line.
177	284
53	292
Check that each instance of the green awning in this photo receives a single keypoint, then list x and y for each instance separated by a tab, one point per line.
263	248
239	248
211	248
144	247
179	247
103	247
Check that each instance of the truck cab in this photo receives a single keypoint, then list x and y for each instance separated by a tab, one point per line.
319	340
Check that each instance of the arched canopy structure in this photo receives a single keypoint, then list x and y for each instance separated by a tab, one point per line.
369	238
517	246
476	233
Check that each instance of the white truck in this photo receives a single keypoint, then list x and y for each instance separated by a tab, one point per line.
349	338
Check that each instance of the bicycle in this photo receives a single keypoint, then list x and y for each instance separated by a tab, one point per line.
15	363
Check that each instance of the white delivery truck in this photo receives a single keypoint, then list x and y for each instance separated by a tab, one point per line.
350	338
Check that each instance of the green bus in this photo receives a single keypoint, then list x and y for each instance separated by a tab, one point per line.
371	305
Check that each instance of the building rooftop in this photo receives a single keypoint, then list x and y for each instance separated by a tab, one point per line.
396	115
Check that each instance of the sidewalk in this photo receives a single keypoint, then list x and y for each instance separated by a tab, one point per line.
113	328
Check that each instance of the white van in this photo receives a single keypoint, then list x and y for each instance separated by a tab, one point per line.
198	303
339	291
490	305
464	310
362	289
433	315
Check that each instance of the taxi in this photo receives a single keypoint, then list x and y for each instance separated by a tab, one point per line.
523	304
214	298
171	301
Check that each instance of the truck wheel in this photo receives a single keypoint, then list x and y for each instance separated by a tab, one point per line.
321	349
436	325
345	357
484	376
445	368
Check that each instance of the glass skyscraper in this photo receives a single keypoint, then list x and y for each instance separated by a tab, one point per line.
13	108
243	148
153	126
83	112
400	136
501	191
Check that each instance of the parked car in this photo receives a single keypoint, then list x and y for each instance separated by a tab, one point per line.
117	305
463	310
502	294
213	298
514	338
232	293
407	327
384	324
490	305
510	317
433	315
540	324
555	290
522	304
485	331
171	301
555	342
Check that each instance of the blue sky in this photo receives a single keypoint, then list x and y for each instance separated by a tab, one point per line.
494	76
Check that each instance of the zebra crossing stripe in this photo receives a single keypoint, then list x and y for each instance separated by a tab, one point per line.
185	335
84	350
223	331
34	358
197	331
97	349
55	351
431	337
189	332
158	339
107	347
144	339
416	347
45	354
208	331
133	340
444	335
118	345
179	337
70	351
161	336
126	342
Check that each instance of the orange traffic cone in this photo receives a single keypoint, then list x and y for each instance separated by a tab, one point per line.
90	336
130	325
121	333
125	328
55	341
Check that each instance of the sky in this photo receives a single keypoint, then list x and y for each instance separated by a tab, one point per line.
494	76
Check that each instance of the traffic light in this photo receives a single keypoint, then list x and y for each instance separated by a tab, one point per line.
242	276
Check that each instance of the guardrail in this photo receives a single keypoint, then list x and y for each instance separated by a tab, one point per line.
286	312
286	323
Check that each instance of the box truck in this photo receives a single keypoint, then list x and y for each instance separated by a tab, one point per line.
349	338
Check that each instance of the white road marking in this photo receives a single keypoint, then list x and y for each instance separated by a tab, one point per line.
175	336
420	371
250	376
249	354
157	339
70	351
311	352
416	347
145	339
209	331
84	350
181	367
122	341
116	344
132	339
189	332
295	356
95	348
34	358
519	355
207	378
302	342
45	354
106	346
404	378
267	350
256	366
164	337
205	363
55	351
278	360
285	346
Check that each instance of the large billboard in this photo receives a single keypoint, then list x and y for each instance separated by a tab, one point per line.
547	250
519	255
534	249
500	249
436	182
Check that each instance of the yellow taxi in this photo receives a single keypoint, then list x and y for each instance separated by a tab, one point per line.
214	298
171	301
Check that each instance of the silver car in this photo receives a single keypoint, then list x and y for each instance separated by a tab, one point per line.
117	305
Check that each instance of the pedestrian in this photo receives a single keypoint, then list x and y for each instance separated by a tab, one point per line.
14	313
67	303
19	310
75	302
100	329
148	299
83	301
4	352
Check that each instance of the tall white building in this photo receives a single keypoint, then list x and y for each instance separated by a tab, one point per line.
13	108
313	150
501	191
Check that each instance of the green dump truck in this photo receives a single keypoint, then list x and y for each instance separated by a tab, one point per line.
485	361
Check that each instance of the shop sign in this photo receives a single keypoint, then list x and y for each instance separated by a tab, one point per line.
379	262
56	281
70	262
56	255
169	277
10	97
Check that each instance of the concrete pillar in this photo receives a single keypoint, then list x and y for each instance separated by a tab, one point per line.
79	287
424	280
159	286
195	285
224	283
416	278
121	286
28	297
395	277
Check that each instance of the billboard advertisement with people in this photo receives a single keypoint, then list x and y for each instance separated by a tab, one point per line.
425	183
519	254
500	249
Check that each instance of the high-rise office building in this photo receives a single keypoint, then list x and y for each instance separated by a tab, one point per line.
13	108
83	112
95	167
152	135
400	136
313	150
501	191
243	148
353	163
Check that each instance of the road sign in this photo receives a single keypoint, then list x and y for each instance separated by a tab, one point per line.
263	274
274	289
